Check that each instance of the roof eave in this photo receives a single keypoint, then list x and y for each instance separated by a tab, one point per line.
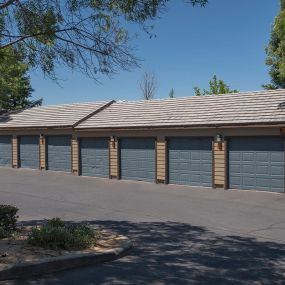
210	126
35	128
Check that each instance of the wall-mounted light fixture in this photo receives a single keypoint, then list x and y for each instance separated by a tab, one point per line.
219	140
42	138
113	140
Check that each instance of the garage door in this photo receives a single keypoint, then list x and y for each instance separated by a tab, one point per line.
256	163
138	159
190	161
29	151
59	153
94	157
5	151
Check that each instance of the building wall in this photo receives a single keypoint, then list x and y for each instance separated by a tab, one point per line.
246	131
219	150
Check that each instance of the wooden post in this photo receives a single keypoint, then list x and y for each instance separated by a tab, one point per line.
15	152
42	152
219	165
161	160
75	153
114	159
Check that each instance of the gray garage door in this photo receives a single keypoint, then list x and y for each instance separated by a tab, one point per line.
59	153
94	157
190	161
5	151
256	163
138	159
29	151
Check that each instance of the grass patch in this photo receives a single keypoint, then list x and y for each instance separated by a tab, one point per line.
57	234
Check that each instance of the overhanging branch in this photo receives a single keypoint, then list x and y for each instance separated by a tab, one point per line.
7	4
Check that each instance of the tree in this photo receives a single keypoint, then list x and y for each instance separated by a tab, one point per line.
216	86
15	86
276	51
148	85
171	93
87	35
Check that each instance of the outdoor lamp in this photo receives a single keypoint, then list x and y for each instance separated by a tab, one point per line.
219	140
42	138
113	140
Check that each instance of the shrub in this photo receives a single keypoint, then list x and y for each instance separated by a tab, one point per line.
4	233
57	234
56	222
8	217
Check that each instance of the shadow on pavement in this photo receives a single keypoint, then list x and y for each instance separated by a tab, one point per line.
178	253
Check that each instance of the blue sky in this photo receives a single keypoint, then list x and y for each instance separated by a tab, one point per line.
227	38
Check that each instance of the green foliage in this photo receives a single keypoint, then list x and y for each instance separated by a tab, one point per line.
276	51
8	218
197	91
216	86
88	35
15	86
57	234
11	234
269	86
171	93
4	233
56	222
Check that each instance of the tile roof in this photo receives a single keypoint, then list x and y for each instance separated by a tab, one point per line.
65	115
247	108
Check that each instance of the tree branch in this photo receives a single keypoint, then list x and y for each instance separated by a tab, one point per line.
22	38
6	4
80	45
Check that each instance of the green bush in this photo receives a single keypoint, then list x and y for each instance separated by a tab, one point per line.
57	234
4	233
8	217
56	222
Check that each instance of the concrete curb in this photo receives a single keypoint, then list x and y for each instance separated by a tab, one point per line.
55	264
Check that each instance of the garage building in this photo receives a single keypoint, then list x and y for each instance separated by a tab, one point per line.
43	137
234	141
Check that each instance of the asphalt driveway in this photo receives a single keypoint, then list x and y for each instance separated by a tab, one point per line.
182	235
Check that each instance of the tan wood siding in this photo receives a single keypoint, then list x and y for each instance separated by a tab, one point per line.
161	160
15	154
114	159
42	152
219	164
75	155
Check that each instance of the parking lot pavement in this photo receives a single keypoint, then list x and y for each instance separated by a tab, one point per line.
182	235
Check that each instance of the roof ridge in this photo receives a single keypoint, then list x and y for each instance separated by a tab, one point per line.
159	99
94	112
243	93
